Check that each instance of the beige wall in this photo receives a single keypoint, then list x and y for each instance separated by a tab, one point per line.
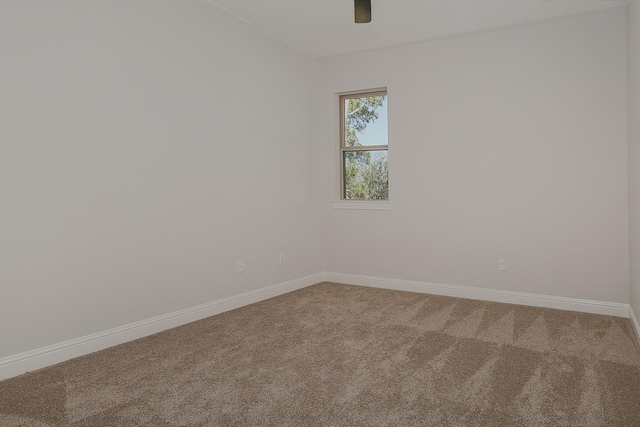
634	151
144	147
506	145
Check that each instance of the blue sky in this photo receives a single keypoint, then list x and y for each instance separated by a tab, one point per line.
376	133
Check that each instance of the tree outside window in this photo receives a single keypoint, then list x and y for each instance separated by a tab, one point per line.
364	146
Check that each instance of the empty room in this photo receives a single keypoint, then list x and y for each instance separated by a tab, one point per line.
319	213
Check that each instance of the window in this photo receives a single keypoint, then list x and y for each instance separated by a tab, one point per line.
364	147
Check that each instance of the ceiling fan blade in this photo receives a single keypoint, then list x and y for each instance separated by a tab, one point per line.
363	11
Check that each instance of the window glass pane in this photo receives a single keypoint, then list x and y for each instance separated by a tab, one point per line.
365	121
366	175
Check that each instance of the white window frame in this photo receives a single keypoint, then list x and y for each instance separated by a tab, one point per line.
359	204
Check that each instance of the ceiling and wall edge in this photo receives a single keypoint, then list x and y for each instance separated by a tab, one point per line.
256	26
475	33
421	41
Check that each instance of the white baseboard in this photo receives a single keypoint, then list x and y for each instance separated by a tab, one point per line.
15	365
19	364
535	300
634	322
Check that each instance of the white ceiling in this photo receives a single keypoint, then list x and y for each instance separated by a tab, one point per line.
325	27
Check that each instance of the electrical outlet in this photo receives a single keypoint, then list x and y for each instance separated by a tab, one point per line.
240	267
281	259
502	265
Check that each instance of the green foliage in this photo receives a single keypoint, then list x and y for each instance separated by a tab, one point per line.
359	113
366	174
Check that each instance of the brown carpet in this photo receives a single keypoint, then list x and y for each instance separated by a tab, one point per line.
337	355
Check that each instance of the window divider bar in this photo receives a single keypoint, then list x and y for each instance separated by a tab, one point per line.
366	148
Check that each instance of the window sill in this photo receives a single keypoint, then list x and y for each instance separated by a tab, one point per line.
367	205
